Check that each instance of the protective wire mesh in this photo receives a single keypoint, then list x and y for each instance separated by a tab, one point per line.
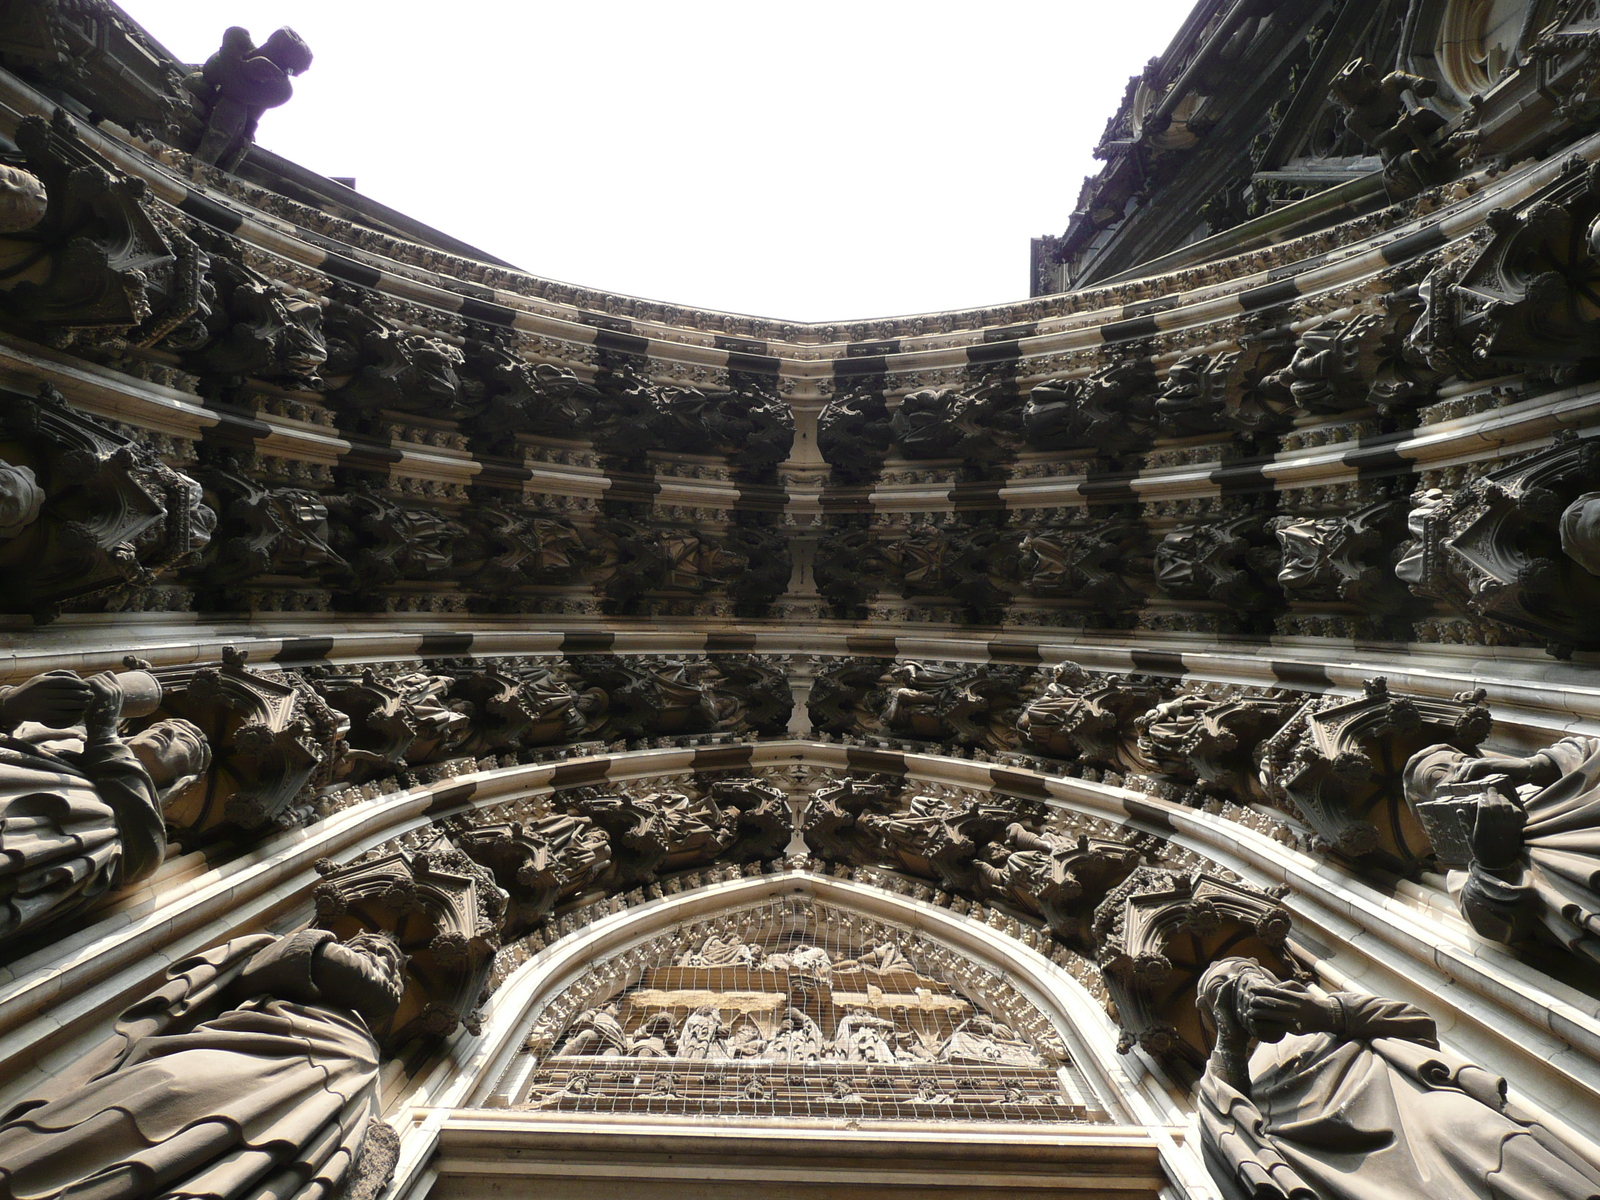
795	1008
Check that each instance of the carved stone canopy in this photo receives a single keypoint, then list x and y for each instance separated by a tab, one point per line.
446	913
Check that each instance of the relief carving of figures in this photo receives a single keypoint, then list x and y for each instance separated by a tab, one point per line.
763	819
248	328
386	542
393	722
1311	1093
515	396
797	1039
1112	409
540	706
275	742
852	565
1194	398
372	365
1080	716
937	837
751	430
76	824
1520	546
1085	560
963	705
1339	764
854	434
252	1073
1063	879
240	82
1521	837
1344	558
1212	741
946	423
266	531
660	831
597	1031
982	1039
86	512
831	822
82	250
847	696
653	696
1230	561
439	726
502	546
538	863
1334	365
973	563
864	1038
704	1035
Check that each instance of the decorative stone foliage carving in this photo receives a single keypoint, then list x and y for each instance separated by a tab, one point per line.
1158	931
445	913
1340	764
86	511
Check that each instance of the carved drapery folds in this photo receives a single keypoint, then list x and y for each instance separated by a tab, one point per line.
1157	933
854	434
445	913
1340	764
84	511
1231	561
1092	718
1343	559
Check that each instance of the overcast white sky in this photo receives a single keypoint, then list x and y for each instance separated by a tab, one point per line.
807	161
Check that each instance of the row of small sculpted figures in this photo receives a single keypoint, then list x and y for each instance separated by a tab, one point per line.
1336	367
1519	546
238	753
95	516
1523	832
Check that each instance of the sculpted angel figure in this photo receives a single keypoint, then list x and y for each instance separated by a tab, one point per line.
1534	859
252	1074
1341	1096
76	825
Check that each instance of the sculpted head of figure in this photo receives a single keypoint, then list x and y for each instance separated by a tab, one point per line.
1223	991
1428	768
371	977
1580	532
176	753
22	200
21	498
289	50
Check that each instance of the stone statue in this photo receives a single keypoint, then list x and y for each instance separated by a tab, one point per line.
656	1038
596	1031
21	499
1342	1096
239	83
1530	864
798	1039
704	1034
982	1039
78	825
881	958
253	1072
862	1037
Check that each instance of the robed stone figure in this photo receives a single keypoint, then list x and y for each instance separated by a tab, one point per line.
1534	857
77	824
251	1075
1338	1096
